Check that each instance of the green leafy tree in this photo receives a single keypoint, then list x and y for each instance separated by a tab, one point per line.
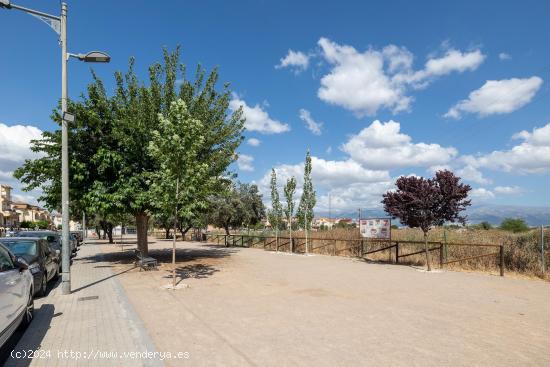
111	169
181	178
276	212
514	225
290	189
90	155
307	201
254	209
484	225
238	205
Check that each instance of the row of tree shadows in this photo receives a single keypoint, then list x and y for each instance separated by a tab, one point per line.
196	270
46	312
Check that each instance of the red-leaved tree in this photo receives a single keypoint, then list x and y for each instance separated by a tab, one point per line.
424	203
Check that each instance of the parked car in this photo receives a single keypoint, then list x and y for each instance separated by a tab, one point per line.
43	261
53	238
16	294
79	236
74	237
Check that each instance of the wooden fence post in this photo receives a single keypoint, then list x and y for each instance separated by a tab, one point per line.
501	260
441	256
397	252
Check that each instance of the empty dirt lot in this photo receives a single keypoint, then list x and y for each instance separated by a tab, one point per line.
252	307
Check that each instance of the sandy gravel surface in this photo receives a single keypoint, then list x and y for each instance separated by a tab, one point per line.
253	307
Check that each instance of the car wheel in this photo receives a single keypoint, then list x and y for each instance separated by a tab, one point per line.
43	285
29	312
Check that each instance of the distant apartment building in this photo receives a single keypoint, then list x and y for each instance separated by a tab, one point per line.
30	213
57	220
328	223
12	214
8	217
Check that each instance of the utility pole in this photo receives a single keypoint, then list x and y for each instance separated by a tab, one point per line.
66	256
84	227
59	25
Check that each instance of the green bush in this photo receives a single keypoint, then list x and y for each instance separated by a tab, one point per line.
483	225
41	224
514	225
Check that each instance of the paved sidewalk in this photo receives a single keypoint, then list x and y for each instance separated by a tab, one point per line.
94	326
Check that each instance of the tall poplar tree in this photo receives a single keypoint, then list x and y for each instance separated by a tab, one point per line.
308	200
290	189
276	213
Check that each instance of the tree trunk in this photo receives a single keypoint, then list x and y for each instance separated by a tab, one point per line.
103	225
184	231
427	252
98	232
110	231
142	220
166	233
226	227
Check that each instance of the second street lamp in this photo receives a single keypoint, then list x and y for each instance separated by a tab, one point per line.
59	25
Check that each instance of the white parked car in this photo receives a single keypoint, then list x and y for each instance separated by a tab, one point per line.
16	294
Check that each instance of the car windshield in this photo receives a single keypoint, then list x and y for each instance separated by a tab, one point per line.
42	235
21	247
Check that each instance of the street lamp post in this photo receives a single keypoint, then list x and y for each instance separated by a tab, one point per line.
59	25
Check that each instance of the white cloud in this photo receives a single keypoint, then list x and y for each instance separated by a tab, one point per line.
15	144
25	198
504	56
508	190
381	146
328	174
497	97
253	142
296	60
532	155
244	162
358	82
350	197
329	149
364	82
452	61
257	119
481	194
311	124
471	173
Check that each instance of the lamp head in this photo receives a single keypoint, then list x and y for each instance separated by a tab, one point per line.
94	56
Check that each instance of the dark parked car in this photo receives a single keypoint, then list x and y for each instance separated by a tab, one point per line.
42	260
78	235
16	294
74	237
53	238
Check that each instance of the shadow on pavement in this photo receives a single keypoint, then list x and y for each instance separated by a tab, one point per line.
100	280
16	350
197	271
163	256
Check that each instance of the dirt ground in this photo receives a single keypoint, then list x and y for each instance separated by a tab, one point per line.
253	307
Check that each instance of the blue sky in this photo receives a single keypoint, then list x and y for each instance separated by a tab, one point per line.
465	84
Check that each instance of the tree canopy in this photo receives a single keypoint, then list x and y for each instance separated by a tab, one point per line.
121	150
238	205
514	225
424	203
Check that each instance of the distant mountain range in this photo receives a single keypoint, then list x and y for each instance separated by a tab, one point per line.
494	214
